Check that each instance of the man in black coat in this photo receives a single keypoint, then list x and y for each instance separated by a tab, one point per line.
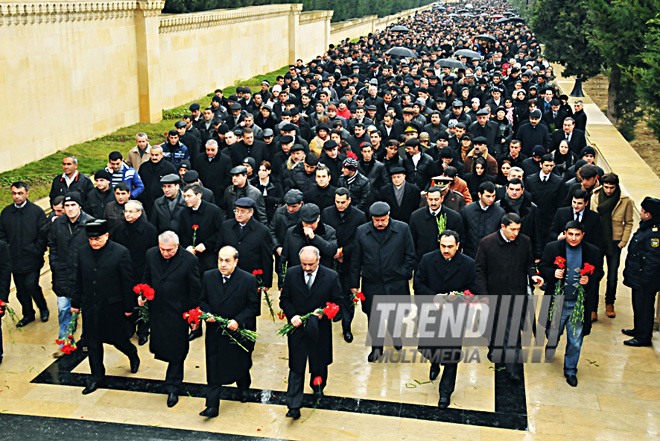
173	273
104	292
402	196
373	169
65	238
345	219
641	273
384	259
5	280
251	239
232	294
579	211
424	223
310	231
321	193
576	254
248	147
545	187
441	272
167	209
100	196
308	286
515	201
152	173
505	263
534	133
574	136
200	227
419	166
213	168
480	218
23	228
70	180
138	236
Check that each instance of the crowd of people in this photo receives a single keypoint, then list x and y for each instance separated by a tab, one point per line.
460	167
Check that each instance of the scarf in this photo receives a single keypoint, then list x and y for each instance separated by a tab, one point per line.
606	205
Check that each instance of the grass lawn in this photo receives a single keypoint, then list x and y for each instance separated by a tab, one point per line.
93	155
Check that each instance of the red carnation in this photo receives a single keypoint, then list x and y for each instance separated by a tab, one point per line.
560	262
588	269
257	272
193	315
317	381
281	316
351	155
330	310
195	227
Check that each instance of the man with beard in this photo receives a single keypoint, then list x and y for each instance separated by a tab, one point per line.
440	272
232	294
138	236
104	292
173	274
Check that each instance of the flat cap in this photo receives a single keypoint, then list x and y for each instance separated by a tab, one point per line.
190	176
397	171
293	196
172	178
180	124
309	213
238	170
96	228
379	209
244	202
286	139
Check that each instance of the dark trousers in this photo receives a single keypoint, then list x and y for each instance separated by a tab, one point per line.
347	304
28	289
509	350
174	376
140	326
643	303
378	343
213	390
294	390
95	353
613	262
448	379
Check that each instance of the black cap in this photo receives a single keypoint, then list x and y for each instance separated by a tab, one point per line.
172	178
96	228
190	176
293	196
309	213
193	107
288	127
480	140
297	148
238	170
185	164
235	106
481	112
286	139
379	209
73	196
180	124
397	170
244	202
330	144
652	206
103	174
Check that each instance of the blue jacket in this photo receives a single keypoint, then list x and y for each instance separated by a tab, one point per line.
132	178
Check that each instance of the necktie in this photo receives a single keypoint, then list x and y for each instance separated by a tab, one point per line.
224	279
309	281
545	179
577	217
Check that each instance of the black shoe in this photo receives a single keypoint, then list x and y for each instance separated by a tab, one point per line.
143	339
209	412
443	403
91	387
244	396
348	336
434	371
636	343
44	315
571	380
628	332
195	334
0	359
82	345
172	399
135	364
293	413
550	353
24	321
374	355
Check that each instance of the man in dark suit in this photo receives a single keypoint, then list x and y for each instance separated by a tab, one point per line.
575	137
230	293
384	259
402	196
580	212
545	187
104	292
138	236
440	272
424	223
252	240
345	219
173	273
504	265
577	253
308	286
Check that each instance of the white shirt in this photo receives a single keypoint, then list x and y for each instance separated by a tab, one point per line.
69	180
415	158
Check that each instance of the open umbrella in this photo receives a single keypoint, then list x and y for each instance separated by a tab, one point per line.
496	16
510	14
510	20
468	53
399	28
450	63
401	52
485	37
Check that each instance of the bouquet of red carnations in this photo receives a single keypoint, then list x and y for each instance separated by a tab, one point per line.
330	311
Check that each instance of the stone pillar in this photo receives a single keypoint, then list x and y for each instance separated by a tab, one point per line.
294	30
147	22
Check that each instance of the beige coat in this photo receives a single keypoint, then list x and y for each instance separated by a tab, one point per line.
134	160
622	216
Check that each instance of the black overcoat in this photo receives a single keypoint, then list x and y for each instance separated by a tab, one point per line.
208	218
238	299
314	340
254	245
177	287
424	228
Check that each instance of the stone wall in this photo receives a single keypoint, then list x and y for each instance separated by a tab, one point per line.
76	70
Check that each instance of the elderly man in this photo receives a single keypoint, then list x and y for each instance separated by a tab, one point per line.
151	173
138	236
383	259
213	168
308	286
241	187
173	273
104	292
232	294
